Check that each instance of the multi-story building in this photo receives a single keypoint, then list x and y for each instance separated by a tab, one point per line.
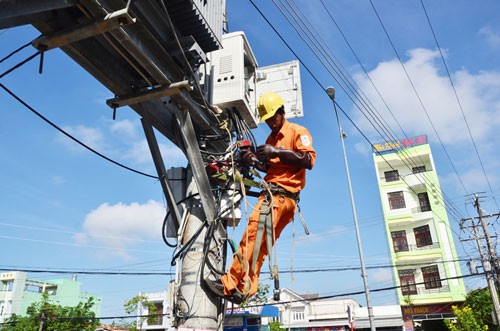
309	312
418	232
161	322
17	293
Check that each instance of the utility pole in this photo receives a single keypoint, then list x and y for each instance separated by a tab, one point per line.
486	259
331	93
491	249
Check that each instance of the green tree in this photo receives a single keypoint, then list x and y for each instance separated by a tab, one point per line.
467	320
275	326
259	297
482	305
132	306
52	317
475	314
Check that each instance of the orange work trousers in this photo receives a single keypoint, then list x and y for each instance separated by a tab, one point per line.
240	277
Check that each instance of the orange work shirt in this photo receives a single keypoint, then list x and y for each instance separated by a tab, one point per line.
294	137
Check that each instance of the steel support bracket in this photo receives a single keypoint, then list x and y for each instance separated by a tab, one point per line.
162	173
193	155
155	93
62	38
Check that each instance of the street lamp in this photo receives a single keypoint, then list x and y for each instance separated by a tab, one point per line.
331	93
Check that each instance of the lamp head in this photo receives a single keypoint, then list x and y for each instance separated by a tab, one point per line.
331	92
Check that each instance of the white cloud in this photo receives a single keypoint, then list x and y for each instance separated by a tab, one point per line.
119	226
477	93
90	136
492	37
381	275
139	153
125	127
123	142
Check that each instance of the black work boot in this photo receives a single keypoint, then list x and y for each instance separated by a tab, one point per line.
237	298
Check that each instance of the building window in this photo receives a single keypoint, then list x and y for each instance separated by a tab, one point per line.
431	277
8	285
51	290
396	200
298	316
158	311
391	176
399	241
407	281
423	236
423	200
417	170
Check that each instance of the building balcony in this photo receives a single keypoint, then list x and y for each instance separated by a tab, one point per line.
416	181
442	289
420	214
415	248
421	290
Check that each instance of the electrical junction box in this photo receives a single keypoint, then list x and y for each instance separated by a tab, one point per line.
236	82
283	79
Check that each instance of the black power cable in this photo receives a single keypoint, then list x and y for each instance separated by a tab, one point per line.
70	136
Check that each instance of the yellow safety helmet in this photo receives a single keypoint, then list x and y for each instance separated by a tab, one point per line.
268	104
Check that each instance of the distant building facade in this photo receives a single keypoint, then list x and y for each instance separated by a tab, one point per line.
162	309
308	312
421	245
17	293
250	318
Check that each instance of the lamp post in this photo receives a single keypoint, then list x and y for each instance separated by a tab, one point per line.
331	93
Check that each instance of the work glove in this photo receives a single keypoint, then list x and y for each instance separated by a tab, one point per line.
265	152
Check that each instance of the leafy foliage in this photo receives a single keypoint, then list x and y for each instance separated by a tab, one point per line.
475	313
467	320
52	317
275	326
482	305
259	297
133	305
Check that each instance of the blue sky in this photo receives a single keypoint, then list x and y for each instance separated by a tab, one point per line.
65	208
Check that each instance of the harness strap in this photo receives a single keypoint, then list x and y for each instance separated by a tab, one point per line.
265	225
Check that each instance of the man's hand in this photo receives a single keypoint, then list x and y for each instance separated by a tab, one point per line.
266	152
248	158
287	156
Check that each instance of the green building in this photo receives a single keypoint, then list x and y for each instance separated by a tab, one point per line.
418	232
18	292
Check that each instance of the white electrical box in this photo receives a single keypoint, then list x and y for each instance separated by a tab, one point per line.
283	79
232	76
237	82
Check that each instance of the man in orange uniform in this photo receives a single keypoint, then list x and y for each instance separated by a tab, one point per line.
287	154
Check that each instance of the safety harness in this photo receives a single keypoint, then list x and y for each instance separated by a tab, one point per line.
266	228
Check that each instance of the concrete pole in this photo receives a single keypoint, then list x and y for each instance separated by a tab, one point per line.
331	93
196	308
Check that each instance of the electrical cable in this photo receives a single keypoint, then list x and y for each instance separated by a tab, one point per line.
306	32
458	100
415	91
448	204
365	105
354	90
188	244
388	288
20	64
70	136
16	51
306	270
